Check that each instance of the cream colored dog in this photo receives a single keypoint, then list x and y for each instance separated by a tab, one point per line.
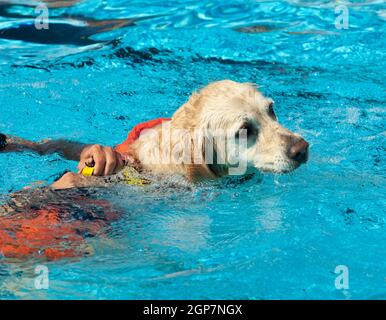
218	118
224	129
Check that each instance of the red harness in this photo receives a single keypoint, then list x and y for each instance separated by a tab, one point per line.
52	231
134	134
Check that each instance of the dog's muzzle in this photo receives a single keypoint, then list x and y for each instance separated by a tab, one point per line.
298	150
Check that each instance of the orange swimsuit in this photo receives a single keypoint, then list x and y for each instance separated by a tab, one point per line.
50	232
56	232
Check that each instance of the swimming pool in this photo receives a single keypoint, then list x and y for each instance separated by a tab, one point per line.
104	66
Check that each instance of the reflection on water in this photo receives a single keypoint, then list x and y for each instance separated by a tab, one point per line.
62	29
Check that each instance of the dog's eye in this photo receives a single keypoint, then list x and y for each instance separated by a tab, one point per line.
249	127
271	113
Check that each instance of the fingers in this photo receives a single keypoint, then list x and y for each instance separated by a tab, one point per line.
111	161
114	161
68	180
99	159
105	160
85	162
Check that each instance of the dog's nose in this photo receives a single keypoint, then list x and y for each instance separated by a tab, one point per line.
298	150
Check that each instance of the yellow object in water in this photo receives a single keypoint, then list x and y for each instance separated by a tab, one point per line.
88	171
129	176
132	177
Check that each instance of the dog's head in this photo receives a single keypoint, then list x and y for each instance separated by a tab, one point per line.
249	122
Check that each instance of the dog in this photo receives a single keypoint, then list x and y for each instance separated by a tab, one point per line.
224	127
223	108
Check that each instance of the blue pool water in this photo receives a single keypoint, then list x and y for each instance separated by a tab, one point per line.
104	66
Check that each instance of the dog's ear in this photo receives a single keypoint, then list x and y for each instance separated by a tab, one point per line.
196	169
187	118
205	163
197	173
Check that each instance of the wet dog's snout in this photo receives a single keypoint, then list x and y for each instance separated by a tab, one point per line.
298	150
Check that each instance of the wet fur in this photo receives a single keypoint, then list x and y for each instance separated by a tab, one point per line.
221	105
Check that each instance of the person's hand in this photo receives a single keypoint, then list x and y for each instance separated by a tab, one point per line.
76	180
70	180
105	160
